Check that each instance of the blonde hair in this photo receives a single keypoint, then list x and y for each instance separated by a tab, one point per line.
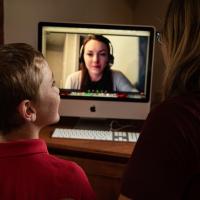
181	36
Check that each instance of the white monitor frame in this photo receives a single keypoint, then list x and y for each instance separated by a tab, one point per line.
103	107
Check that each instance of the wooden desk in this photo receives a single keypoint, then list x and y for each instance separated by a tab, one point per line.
103	161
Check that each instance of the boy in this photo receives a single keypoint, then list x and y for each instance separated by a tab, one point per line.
29	100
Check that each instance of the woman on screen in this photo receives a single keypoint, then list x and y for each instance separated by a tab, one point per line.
96	59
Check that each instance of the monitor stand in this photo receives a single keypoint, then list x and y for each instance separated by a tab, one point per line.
93	124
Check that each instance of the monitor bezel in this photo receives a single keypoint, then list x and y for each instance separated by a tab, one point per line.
151	30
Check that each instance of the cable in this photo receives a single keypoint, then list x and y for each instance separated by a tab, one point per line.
119	126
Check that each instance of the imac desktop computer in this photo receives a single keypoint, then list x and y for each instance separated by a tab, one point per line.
132	50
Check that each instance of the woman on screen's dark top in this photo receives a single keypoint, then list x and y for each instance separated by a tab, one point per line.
96	59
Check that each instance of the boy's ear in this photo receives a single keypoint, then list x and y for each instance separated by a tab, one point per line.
27	110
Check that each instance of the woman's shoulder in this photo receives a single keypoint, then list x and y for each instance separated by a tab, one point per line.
73	80
183	101
184	106
75	74
116	72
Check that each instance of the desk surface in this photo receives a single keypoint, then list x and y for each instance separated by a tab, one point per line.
91	148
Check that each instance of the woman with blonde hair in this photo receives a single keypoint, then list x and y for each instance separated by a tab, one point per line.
165	164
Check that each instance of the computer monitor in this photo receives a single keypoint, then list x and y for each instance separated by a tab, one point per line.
132	47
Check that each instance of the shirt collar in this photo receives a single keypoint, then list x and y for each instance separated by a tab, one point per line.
22	147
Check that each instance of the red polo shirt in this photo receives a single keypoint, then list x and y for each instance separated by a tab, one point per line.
28	172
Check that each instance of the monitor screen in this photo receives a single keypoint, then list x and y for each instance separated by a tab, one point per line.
102	70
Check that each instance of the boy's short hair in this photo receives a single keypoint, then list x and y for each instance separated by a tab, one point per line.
20	79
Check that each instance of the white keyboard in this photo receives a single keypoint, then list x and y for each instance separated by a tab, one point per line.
95	135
